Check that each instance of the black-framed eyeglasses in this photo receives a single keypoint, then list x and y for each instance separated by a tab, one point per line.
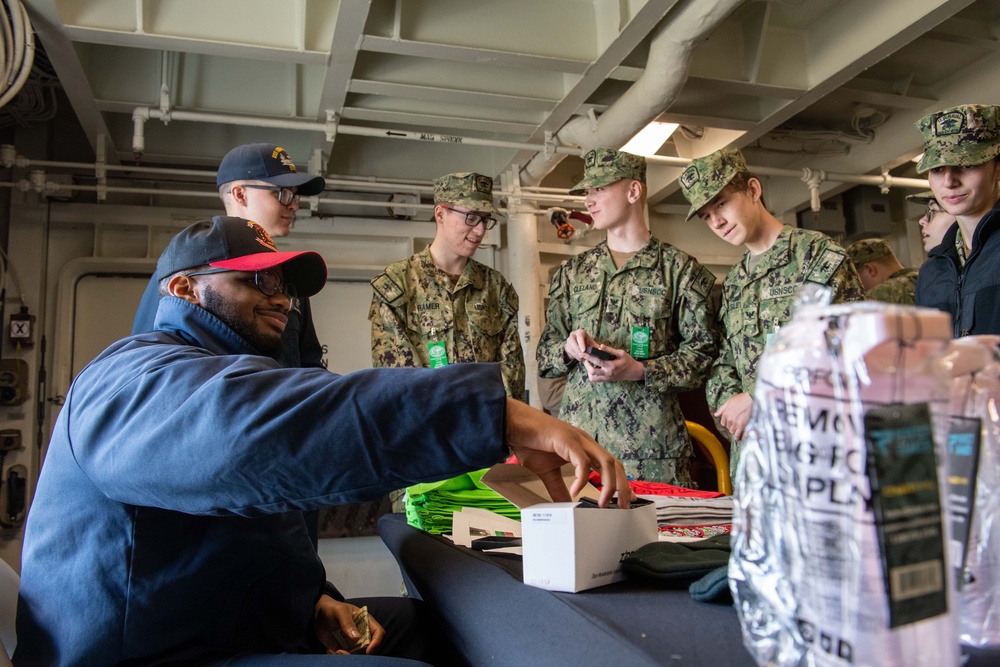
285	195
472	218
267	281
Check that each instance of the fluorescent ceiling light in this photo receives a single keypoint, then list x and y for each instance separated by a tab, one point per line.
649	139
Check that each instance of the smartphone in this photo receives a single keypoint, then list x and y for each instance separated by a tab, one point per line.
600	354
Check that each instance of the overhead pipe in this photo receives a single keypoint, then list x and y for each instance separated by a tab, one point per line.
9	158
330	128
654	91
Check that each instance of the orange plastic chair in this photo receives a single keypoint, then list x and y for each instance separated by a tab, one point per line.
716	454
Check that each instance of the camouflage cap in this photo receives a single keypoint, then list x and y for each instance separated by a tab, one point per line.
868	250
604	166
706	176
469	189
925	197
962	136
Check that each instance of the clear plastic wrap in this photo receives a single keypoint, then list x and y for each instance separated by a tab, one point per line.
974	409
829	565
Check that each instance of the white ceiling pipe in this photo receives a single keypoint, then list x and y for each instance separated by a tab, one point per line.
330	128
656	89
10	158
451	139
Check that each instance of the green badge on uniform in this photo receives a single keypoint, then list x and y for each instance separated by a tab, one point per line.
437	353
640	343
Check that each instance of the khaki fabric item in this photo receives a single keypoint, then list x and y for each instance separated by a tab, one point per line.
604	166
706	176
469	189
962	136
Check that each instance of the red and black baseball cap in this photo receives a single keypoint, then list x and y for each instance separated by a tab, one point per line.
240	245
268	163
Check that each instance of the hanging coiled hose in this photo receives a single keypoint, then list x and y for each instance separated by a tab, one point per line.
18	53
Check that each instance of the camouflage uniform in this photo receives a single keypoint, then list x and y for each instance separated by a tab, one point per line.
661	288
757	301
898	288
967	286
415	303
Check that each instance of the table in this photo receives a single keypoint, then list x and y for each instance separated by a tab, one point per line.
495	620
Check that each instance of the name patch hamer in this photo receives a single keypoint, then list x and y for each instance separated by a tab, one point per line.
778	291
428	306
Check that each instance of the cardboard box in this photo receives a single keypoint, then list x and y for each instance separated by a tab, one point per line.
576	545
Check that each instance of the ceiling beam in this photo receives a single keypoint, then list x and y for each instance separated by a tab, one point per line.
407	47
449	95
72	76
638	29
191	45
349	29
425	121
841	48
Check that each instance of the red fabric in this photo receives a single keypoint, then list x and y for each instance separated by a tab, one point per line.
658	488
649	488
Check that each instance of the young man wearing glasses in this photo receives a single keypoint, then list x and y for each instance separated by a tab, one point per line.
646	304
440	306
166	527
259	182
935	221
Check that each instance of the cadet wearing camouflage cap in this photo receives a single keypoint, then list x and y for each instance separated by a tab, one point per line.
641	300
868	250
440	306
604	166
760	291
883	276
960	276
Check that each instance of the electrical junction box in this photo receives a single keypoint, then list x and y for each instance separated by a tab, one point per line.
13	381
868	211
10	439
22	328
829	219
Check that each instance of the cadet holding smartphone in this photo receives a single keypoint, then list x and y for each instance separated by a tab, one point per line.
629	324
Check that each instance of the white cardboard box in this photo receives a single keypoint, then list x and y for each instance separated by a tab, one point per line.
571	546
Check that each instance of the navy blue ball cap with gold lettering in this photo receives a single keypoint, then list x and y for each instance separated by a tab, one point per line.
267	163
238	244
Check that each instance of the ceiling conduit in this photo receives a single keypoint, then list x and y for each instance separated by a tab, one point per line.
656	89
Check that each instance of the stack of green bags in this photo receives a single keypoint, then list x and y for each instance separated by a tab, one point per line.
430	506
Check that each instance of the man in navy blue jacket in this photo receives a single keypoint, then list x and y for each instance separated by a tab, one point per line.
260	182
167	527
